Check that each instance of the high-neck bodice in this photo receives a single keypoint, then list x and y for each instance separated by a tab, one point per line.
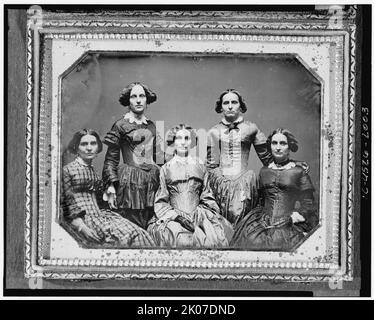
281	189
229	146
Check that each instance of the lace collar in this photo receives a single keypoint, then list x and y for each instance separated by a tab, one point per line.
131	117
287	166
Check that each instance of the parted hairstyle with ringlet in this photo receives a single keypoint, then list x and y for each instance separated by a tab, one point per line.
76	140
243	106
124	98
173	132
291	140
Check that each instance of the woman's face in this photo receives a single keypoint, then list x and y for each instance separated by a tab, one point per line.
88	147
182	142
138	99
279	147
230	106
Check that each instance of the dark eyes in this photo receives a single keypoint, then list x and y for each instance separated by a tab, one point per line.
233	102
282	143
140	96
94	143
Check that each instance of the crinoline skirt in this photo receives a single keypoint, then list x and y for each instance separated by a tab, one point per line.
236	196
209	231
137	186
254	232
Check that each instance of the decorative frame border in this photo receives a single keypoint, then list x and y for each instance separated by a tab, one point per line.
240	25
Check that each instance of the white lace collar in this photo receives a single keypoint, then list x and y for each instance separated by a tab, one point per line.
225	122
131	117
287	166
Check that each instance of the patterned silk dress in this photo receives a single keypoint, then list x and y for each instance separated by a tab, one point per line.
184	191
80	185
233	183
269	226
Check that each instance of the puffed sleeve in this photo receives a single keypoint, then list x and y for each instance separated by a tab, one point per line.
308	208
112	157
260	145
71	202
213	150
163	209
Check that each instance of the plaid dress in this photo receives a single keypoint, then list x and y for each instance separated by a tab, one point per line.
80	184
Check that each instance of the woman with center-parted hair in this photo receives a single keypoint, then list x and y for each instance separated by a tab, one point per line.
130	188
81	211
186	214
233	182
277	223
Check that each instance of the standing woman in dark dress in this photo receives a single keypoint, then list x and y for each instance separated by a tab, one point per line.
277	224
81	186
131	187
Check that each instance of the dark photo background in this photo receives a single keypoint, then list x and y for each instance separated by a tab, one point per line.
278	89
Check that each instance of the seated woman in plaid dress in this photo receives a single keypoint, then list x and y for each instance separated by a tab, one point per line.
93	225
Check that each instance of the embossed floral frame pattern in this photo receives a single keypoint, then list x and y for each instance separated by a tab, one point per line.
58	40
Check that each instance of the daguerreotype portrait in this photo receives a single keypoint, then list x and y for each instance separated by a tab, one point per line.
191	145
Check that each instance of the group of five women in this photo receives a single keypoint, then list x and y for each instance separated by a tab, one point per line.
187	203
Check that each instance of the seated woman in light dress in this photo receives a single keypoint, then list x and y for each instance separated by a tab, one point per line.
186	212
277	224
81	187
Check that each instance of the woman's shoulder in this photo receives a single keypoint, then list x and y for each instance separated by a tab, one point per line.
71	167
216	127
250	125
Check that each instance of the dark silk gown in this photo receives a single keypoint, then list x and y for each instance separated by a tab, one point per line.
137	179
269	226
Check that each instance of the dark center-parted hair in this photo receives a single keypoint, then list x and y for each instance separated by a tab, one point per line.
74	143
173	133
124	98
291	140
243	106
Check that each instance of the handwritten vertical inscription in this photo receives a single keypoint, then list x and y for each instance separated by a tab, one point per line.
365	153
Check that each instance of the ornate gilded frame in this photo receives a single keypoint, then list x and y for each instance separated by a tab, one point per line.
323	32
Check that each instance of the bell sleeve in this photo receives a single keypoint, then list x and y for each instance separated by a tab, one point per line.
213	150
112	157
308	208
71	201
261	147
163	210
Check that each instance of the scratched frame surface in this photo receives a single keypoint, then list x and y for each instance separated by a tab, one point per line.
210	30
